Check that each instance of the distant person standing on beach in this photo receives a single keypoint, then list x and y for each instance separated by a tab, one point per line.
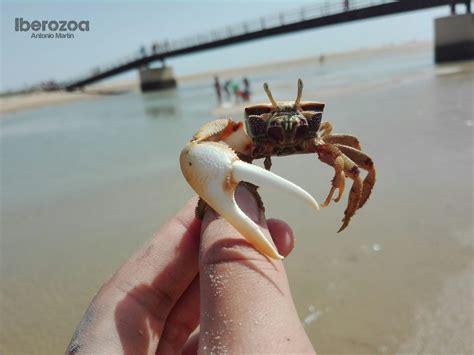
246	91
217	86
226	89
234	85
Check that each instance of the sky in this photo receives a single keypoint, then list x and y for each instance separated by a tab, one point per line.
118	28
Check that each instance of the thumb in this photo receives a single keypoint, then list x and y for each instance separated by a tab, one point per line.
246	304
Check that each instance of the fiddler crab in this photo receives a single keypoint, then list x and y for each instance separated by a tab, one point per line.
219	157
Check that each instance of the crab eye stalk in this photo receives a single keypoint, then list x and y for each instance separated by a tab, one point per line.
269	94
300	93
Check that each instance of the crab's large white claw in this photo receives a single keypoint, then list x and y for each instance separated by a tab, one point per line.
213	170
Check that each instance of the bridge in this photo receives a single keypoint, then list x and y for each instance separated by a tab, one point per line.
304	18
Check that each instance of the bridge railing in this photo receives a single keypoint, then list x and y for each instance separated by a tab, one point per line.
307	12
273	21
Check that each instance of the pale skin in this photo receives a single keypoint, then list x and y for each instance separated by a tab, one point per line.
197	273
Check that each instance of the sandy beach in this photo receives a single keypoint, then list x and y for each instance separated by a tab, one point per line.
86	182
38	99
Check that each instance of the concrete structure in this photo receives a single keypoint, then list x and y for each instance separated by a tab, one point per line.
454	38
157	78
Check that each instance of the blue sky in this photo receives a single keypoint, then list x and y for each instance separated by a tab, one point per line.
119	28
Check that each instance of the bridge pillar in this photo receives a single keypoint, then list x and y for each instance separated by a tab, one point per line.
157	78
454	38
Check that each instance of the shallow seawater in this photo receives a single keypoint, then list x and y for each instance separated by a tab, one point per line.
84	184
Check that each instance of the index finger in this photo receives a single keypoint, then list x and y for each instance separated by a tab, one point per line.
128	313
246	304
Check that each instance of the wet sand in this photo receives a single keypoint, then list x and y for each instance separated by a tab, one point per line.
397	281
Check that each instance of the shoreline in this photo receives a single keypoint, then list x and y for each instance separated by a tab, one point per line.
23	102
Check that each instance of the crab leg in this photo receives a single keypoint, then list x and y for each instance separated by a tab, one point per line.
344	167
338	182
330	155
366	163
352	171
344	139
213	170
325	129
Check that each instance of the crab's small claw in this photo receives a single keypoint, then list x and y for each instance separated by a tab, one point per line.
213	170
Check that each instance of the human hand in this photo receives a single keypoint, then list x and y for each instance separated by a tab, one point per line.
197	273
